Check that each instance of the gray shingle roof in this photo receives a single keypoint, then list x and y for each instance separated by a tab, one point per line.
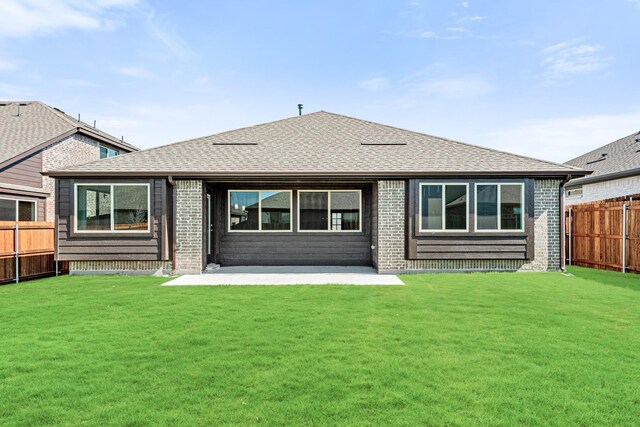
319	143
622	156
37	124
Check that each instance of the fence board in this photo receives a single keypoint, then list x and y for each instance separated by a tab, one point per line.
595	235
35	250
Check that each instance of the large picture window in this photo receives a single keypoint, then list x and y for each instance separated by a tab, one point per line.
443	207
330	210
499	207
259	210
17	210
112	207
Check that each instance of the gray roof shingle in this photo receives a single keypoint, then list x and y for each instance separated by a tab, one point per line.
37	124
621	156
319	143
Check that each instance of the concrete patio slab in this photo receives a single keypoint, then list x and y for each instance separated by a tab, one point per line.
282	276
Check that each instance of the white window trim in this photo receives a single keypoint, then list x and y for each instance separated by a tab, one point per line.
259	230
499	229
35	208
329	230
111	185
444	219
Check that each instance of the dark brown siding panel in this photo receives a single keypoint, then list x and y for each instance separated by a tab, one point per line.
293	248
110	247
25	172
469	245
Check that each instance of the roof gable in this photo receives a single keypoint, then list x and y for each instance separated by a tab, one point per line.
25	126
319	143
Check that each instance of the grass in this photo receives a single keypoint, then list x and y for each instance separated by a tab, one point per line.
467	349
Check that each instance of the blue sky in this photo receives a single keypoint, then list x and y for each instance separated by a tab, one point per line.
542	78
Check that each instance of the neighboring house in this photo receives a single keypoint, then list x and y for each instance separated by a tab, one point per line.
616	172
35	138
320	189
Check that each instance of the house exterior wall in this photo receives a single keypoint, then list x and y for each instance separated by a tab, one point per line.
605	190
392	235
25	172
189	226
73	150
391	225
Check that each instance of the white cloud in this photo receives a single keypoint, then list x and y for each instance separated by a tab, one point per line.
137	72
9	92
79	83
463	87
24	18
465	4
375	84
571	57
478	18
160	28
457	29
562	139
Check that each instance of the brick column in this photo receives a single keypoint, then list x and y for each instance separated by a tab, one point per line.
189	232
547	225
391	225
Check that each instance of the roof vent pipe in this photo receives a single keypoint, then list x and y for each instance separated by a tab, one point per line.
299	109
18	112
78	116
94	124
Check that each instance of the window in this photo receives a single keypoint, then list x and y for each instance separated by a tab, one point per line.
499	207
575	192
259	210
17	210
443	207
329	210
112	207
107	152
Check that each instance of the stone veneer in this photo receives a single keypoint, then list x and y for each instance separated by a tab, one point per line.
73	150
391	234
189	222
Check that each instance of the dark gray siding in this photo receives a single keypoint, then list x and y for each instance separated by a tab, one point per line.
292	248
24	172
106	246
469	245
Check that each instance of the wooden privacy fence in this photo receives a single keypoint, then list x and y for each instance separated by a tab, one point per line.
27	251
604	235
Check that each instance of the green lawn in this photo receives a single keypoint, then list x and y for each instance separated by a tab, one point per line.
466	349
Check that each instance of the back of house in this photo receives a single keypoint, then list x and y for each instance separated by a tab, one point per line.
319	189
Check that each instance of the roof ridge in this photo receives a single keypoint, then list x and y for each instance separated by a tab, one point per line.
453	141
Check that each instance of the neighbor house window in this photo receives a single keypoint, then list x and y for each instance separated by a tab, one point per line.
499	207
259	210
112	207
107	152
443	207
575	192
17	210
329	210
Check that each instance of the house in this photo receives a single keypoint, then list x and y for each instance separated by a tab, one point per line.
616	172
318	189
35	138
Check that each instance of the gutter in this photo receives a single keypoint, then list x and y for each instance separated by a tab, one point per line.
563	255
605	177
173	225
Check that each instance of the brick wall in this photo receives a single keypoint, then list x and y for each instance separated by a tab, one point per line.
391	225
76	149
547	226
606	190
119	267
189	232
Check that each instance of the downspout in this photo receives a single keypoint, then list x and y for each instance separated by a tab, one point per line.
563	244
174	206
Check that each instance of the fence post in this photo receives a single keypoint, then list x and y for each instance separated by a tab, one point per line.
16	242
570	235
624	238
